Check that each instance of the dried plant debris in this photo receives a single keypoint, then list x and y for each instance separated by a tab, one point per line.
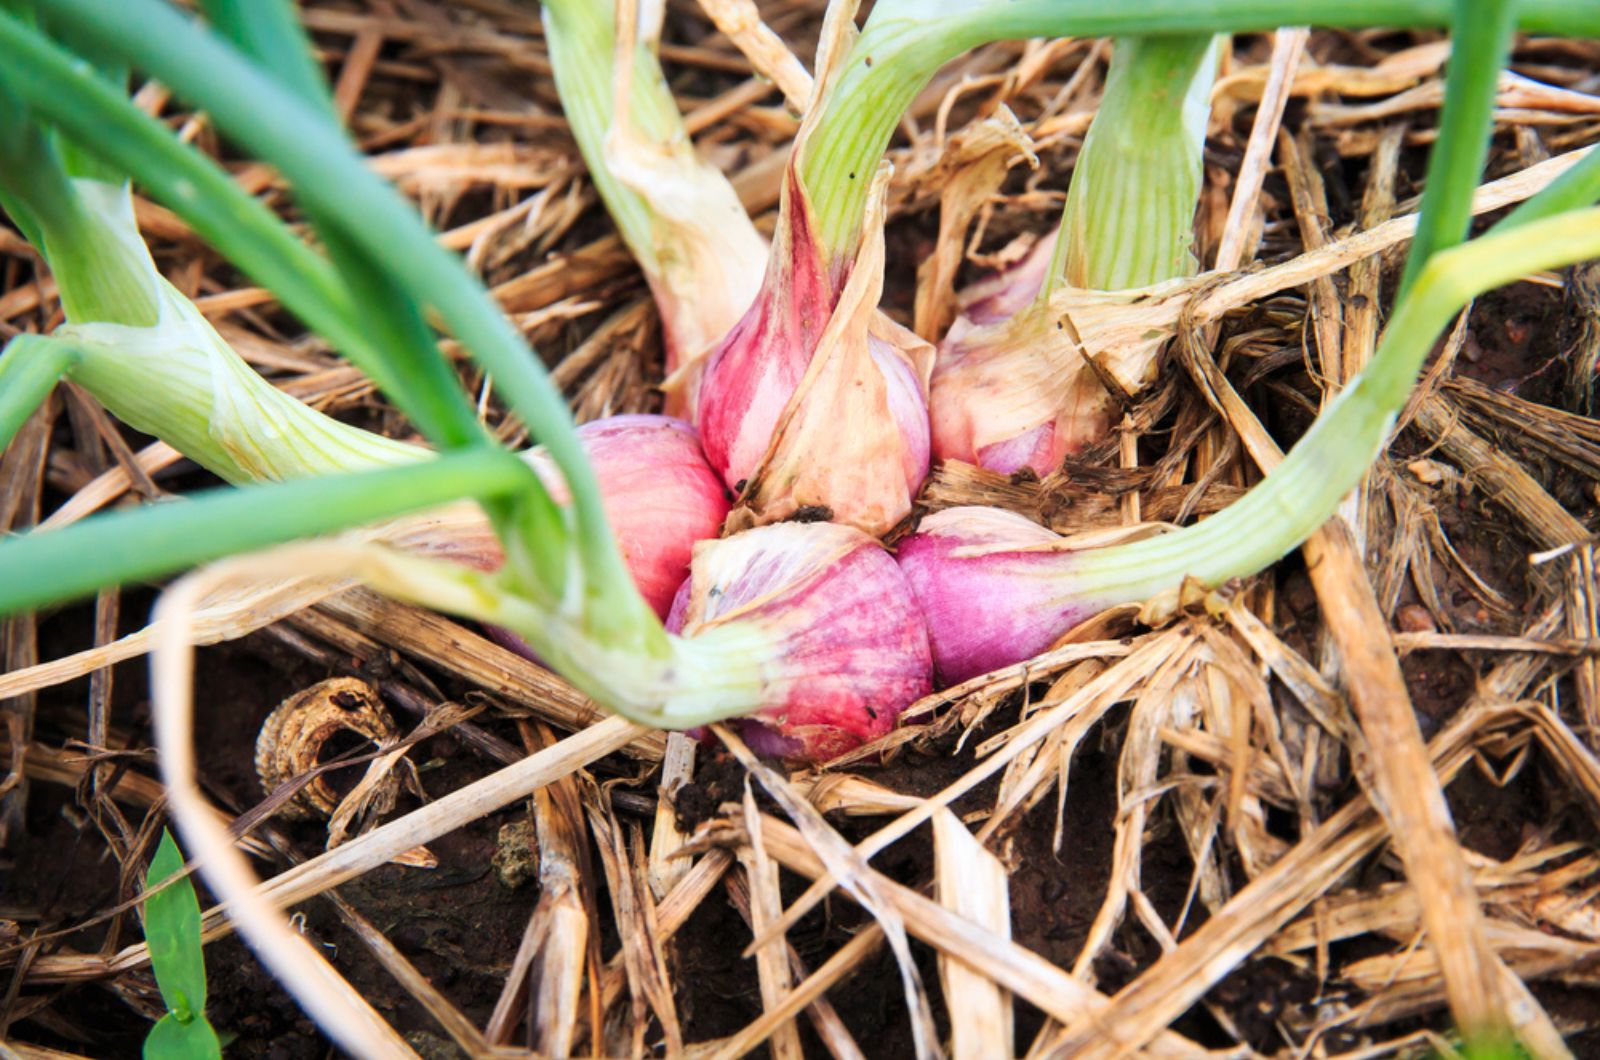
290	745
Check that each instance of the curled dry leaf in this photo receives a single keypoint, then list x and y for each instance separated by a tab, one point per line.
969	171
292	738
290	745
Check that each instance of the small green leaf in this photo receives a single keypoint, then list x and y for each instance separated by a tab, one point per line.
172	929
172	1039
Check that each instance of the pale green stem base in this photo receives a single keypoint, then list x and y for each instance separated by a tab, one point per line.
652	678
1129	216
147	354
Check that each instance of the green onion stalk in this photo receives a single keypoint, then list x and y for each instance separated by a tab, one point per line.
961	561
137	343
796	652
678	214
146	352
904	42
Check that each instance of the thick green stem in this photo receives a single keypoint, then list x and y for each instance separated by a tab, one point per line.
905	41
1305	490
147	354
269	31
180	382
30	367
679	214
1129	217
1576	188
48	567
582	46
59	89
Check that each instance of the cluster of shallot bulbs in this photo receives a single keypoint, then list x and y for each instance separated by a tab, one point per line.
810	441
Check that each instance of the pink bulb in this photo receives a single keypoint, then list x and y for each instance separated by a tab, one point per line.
853	650
751	375
1010	389
659	494
994	587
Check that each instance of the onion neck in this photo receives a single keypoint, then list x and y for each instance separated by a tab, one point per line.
625	661
100	263
1129	216
679	215
580	37
148	355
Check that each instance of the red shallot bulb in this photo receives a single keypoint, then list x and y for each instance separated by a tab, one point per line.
994	398
851	648
995	588
1013	386
660	497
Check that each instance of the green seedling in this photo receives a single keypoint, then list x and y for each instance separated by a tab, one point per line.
172	930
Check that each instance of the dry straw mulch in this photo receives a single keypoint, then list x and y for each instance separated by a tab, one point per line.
1275	871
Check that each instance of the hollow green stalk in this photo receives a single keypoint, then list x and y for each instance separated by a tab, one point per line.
143	348
1304	491
904	42
156	540
582	43
58	89
1129	216
1480	44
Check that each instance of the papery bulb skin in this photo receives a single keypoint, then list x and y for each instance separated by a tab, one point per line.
1014	396
1018	392
816	401
993	586
697	316
906	394
678	213
659	494
994	397
750	377
1006	292
853	649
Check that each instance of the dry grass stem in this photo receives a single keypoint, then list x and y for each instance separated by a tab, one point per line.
972	883
758	890
741	21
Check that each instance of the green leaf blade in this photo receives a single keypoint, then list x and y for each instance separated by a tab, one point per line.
172	929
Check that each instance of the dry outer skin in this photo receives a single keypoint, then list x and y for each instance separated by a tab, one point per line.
293	736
